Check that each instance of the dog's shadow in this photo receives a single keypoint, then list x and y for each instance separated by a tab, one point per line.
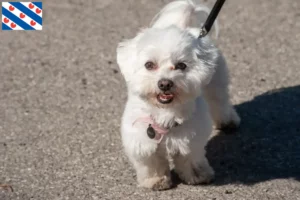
267	144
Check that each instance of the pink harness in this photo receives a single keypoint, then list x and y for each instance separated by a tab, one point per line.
160	131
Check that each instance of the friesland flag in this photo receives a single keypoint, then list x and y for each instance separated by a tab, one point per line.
22	15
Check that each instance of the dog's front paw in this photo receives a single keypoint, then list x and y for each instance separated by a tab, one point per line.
199	175
157	183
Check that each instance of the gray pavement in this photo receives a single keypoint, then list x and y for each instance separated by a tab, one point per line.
62	96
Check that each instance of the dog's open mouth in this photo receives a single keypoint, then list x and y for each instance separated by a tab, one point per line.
165	98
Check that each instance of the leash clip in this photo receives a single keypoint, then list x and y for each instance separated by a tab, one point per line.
203	32
211	18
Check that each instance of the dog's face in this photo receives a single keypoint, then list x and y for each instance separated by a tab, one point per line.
165	67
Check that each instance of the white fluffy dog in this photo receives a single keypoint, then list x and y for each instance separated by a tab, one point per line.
177	87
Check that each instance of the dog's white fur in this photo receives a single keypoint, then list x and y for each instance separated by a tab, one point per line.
201	93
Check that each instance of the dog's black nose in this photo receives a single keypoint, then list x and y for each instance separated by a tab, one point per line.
165	84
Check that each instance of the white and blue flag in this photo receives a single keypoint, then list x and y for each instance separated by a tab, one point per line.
22	15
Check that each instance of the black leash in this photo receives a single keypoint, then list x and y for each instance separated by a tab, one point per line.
211	18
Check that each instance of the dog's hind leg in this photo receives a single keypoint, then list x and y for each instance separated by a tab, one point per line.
217	96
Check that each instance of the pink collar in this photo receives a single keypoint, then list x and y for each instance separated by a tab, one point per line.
160	131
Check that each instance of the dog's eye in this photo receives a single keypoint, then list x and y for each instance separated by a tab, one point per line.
180	66
150	65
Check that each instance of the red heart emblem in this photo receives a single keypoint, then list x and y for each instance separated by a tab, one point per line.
38	11
11	8
13	25
22	15
31	6
32	23
6	20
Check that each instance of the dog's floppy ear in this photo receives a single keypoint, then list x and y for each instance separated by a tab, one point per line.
175	13
126	56
208	58
181	13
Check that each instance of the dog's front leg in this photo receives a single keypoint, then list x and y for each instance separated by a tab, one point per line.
153	171
193	168
149	160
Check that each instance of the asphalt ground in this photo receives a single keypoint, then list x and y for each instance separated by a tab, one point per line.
62	97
